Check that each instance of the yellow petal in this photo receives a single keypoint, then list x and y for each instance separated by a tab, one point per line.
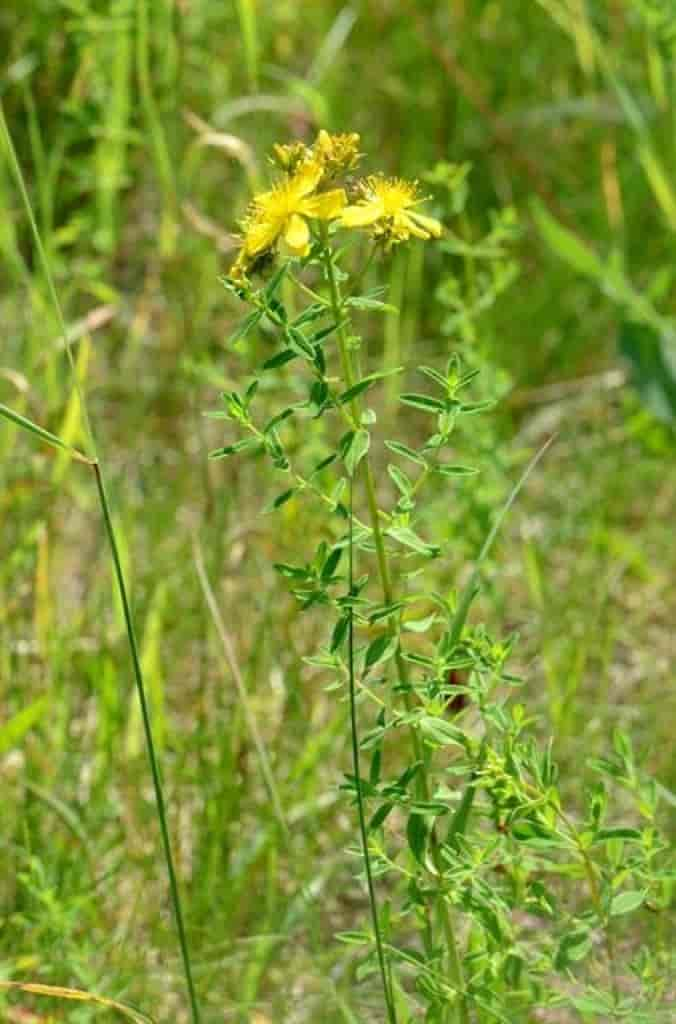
297	235
429	224
259	237
306	179
363	215
325	206
405	224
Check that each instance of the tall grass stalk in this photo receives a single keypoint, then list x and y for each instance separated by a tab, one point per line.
93	459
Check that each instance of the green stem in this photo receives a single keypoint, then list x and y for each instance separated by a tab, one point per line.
454	962
596	900
387	988
150	744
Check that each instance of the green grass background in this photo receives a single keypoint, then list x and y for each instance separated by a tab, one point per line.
140	126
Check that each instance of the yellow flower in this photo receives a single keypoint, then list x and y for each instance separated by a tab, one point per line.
283	213
336	152
387	207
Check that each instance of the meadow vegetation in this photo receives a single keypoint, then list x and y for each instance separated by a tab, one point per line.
542	133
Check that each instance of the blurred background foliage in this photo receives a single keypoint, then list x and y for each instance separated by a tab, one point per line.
141	126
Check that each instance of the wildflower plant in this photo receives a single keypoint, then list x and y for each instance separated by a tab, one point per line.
488	899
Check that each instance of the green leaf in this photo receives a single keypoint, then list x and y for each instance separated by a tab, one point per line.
472	408
380	649
416	834
401	480
279	418
354	938
405	452
377	756
360	302
339	633
428	807
282	499
456	470
617	833
292	572
357	447
434	375
322	333
367	382
356	390
461	816
424	402
565	244
233	449
273	284
323	464
536	835
285	356
406	536
379	817
247	324
573	947
385	611
420	625
297	341
627	901
311	313
441	732
331	564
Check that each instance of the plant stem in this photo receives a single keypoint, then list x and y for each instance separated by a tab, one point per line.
150	745
596	900
354	734
454	962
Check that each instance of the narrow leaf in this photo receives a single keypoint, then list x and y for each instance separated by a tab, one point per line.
247	325
424	402
382	648
44	435
405	452
406	536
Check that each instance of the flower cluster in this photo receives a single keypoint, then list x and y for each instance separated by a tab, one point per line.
308	192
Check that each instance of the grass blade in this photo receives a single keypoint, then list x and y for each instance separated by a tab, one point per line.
44	435
76	995
471	588
229	651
